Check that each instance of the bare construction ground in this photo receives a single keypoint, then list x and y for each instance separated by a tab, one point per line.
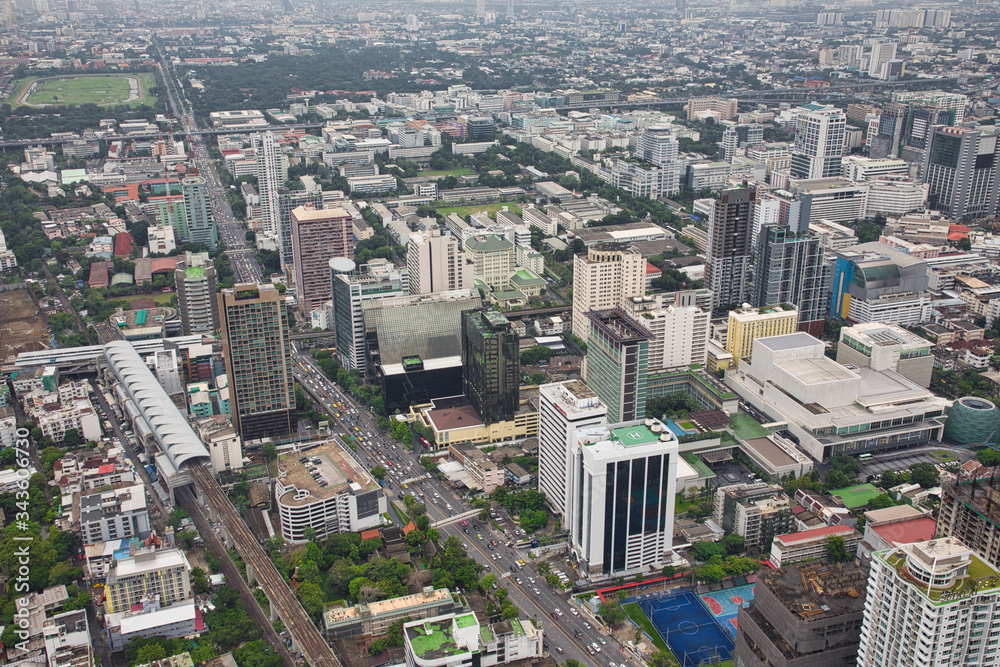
22	329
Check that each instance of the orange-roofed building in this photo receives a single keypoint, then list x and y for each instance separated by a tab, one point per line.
409	528
371	534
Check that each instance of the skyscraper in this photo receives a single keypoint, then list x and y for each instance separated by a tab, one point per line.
960	169
727	270
198	212
318	236
792	268
607	274
819	142
480	9
288	200
930	603
563	407
257	349
888	135
617	363
196	298
436	263
377	278
620	513
272	172
491	369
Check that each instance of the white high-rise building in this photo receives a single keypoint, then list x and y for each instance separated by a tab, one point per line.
620	514
602	279
658	144
563	407
819	141
7	259
272	172
931	603
680	329
435	263
881	53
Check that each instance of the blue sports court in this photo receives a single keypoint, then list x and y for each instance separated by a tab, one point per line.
688	628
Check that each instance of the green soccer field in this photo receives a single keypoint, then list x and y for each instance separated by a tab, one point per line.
103	90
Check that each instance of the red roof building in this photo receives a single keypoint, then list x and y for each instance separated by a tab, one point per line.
652	273
98	275
123	245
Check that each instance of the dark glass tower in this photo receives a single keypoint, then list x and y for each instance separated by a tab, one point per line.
491	370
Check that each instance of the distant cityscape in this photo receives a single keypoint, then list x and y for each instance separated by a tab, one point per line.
464	334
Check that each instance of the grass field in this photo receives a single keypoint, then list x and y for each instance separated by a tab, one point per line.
943	456
639	618
100	89
491	208
441	173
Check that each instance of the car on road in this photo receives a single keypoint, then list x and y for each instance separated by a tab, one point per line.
479	536
595	646
559	648
603	641
574	611
558	611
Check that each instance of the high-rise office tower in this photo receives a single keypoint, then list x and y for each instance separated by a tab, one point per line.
960	169
377	278
620	513
563	407
257	349
198	212
510	9
318	236
289	200
819	142
196	298
792	268
658	144
930	603
607	274
727	270
491	368
881	52
272	172
617	363
435	263
888	136
480	9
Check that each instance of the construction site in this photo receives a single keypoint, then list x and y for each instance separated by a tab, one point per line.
804	614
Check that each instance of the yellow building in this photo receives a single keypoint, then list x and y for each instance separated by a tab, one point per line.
459	424
749	324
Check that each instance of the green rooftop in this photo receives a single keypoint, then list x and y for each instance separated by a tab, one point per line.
516	625
194	272
635	435
466	621
485	634
433	640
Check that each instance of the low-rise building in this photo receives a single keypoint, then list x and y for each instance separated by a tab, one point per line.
811	544
484	471
114	514
458	640
890	527
328	492
374	618
149	619
67	640
164	573
833	409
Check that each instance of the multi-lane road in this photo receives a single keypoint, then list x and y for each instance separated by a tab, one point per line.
571	633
